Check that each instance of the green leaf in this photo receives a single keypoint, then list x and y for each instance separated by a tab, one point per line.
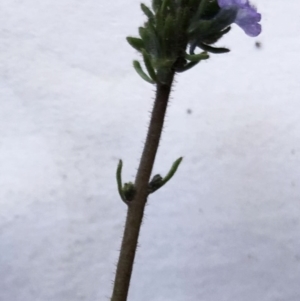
119	180
169	36
160	20
212	49
141	73
172	171
142	32
169	27
151	40
157	181
146	10
196	57
136	43
149	66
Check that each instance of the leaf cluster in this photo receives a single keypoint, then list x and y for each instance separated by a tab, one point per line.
171	27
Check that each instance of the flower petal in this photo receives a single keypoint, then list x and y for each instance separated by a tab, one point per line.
247	16
224	3
247	19
252	30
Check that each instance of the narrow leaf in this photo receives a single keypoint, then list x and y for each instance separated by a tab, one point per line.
141	73
197	57
136	43
119	179
151	40
146	10
142	32
172	171
212	49
149	66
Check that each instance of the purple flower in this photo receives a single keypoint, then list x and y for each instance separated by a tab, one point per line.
246	17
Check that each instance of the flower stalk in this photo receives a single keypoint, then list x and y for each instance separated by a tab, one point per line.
137	205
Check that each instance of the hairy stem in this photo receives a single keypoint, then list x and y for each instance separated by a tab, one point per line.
137	205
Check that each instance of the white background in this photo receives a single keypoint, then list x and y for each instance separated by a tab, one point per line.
225	228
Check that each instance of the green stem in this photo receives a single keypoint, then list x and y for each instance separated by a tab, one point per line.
137	205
